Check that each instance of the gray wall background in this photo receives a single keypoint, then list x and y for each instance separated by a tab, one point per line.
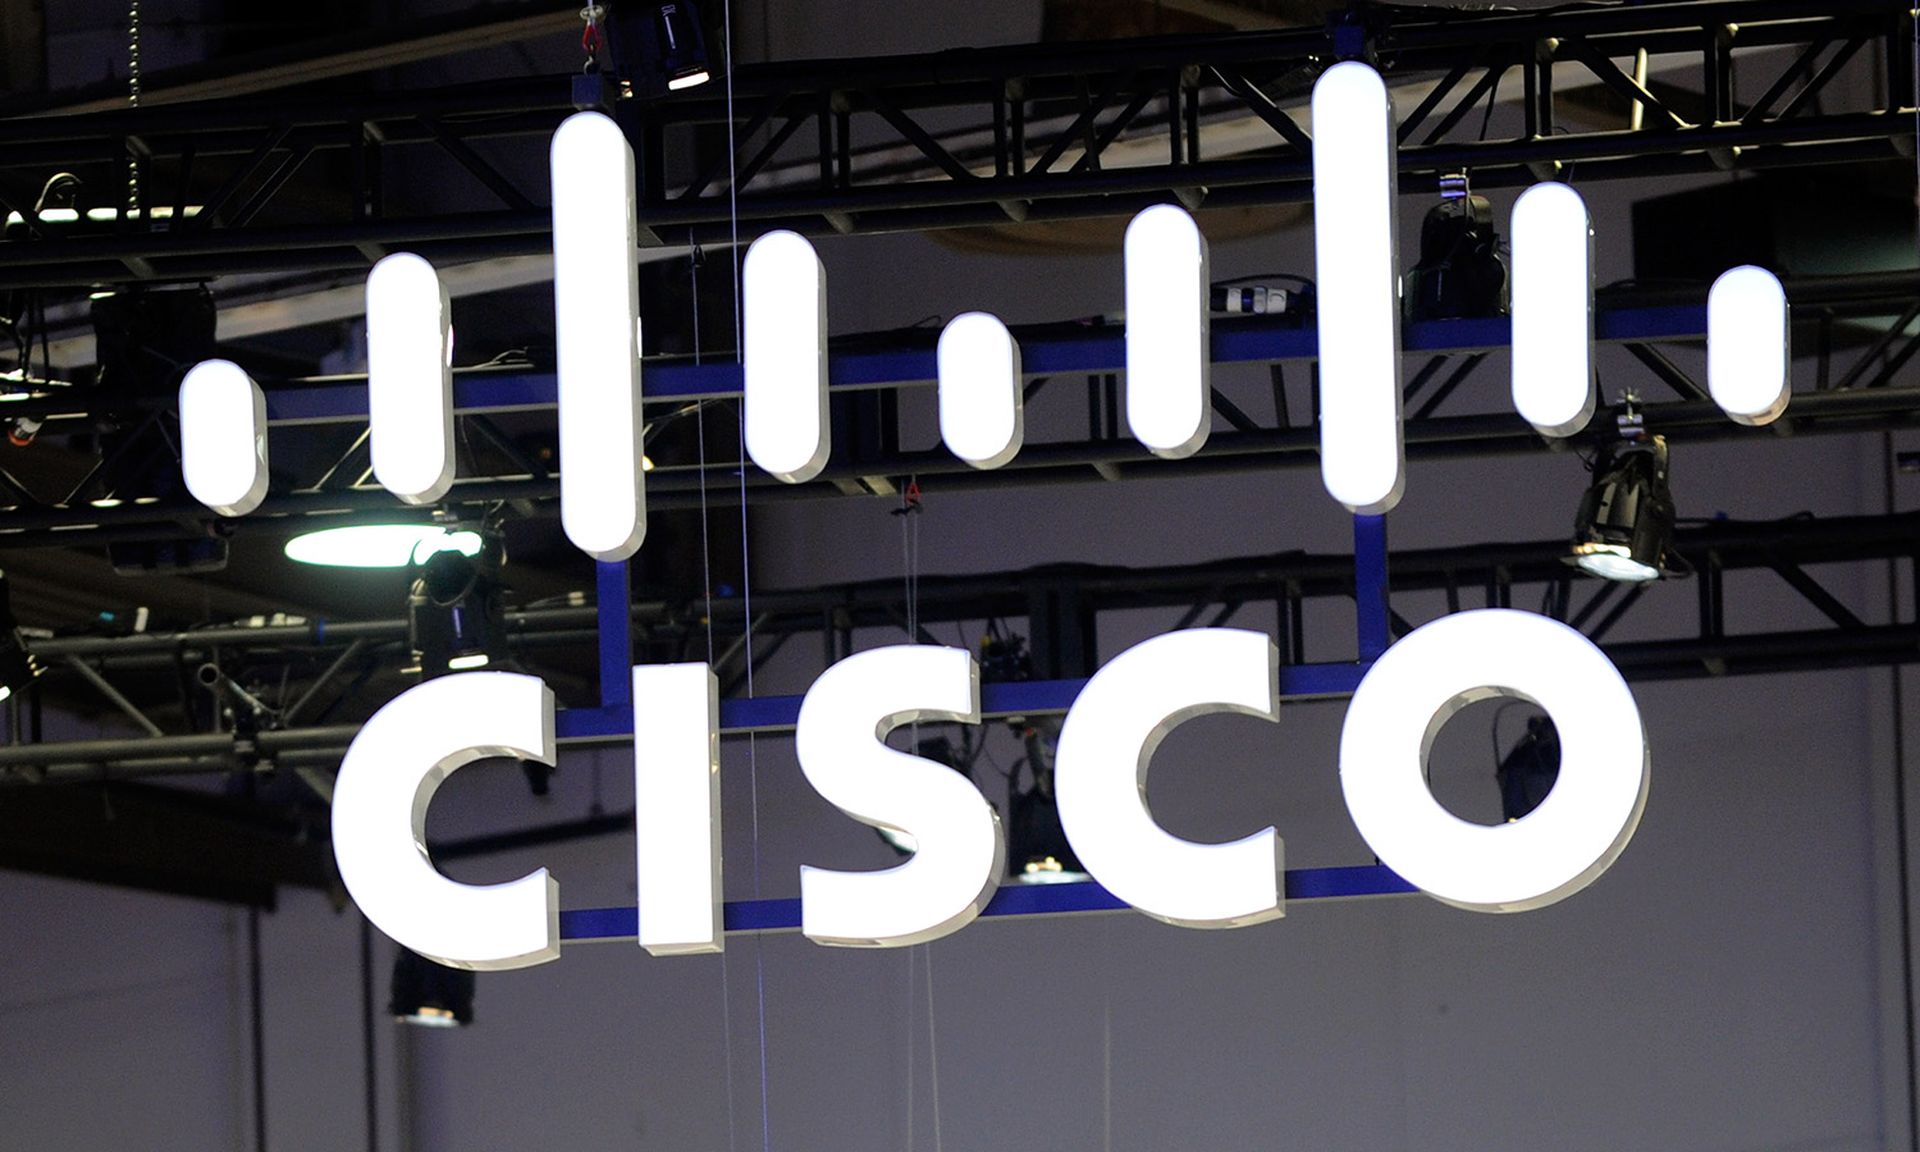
1733	983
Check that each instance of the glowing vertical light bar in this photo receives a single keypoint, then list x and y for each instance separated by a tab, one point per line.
1357	278
596	298
1553	310
784	287
1169	408
223	437
676	801
1749	345
982	406
410	378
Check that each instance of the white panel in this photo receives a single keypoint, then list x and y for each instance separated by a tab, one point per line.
1441	667
387	780
784	287
1749	345
1168	358
1553	310
676	799
1100	777
596	298
410	378
960	851
1357	280
223	437
982	401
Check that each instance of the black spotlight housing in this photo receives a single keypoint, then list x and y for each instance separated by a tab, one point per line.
428	994
1037	847
1461	272
454	616
1527	773
1625	523
18	668
658	46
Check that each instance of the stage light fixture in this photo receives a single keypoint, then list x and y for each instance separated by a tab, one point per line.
1527	772
18	668
380	545
1037	847
1460	273
1625	522
659	47
430	995
454	617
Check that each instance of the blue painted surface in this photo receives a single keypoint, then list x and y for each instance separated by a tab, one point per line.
615	613
1097	348
1370	586
778	713
586	924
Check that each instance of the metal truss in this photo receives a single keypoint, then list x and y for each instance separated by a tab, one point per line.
1854	389
956	138
1059	610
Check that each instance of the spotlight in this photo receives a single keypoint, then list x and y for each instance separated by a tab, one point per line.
380	545
659	47
428	994
18	668
1037	848
1526	774
1625	524
454	617
1460	273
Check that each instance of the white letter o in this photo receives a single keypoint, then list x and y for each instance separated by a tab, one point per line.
1440	668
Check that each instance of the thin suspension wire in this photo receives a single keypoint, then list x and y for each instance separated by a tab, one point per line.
746	564
706	584
911	980
933	1050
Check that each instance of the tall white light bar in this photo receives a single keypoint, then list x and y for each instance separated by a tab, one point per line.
784	286
982	400
1357	280
1169	408
596	298
387	780
223	437
1100	777
410	378
1749	345
676	803
1553	310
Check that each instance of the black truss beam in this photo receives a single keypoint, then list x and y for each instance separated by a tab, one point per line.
1209	592
1039	120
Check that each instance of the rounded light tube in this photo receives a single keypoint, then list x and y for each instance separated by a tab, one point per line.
223	437
596	297
1553	310
1100	778
982	402
1749	345
410	378
387	780
1441	667
1169	404
784	301
1357	281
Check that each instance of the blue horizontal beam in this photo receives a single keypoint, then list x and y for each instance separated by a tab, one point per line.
1025	697
586	924
1096	349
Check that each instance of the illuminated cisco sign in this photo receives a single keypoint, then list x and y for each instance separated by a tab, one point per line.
1106	744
